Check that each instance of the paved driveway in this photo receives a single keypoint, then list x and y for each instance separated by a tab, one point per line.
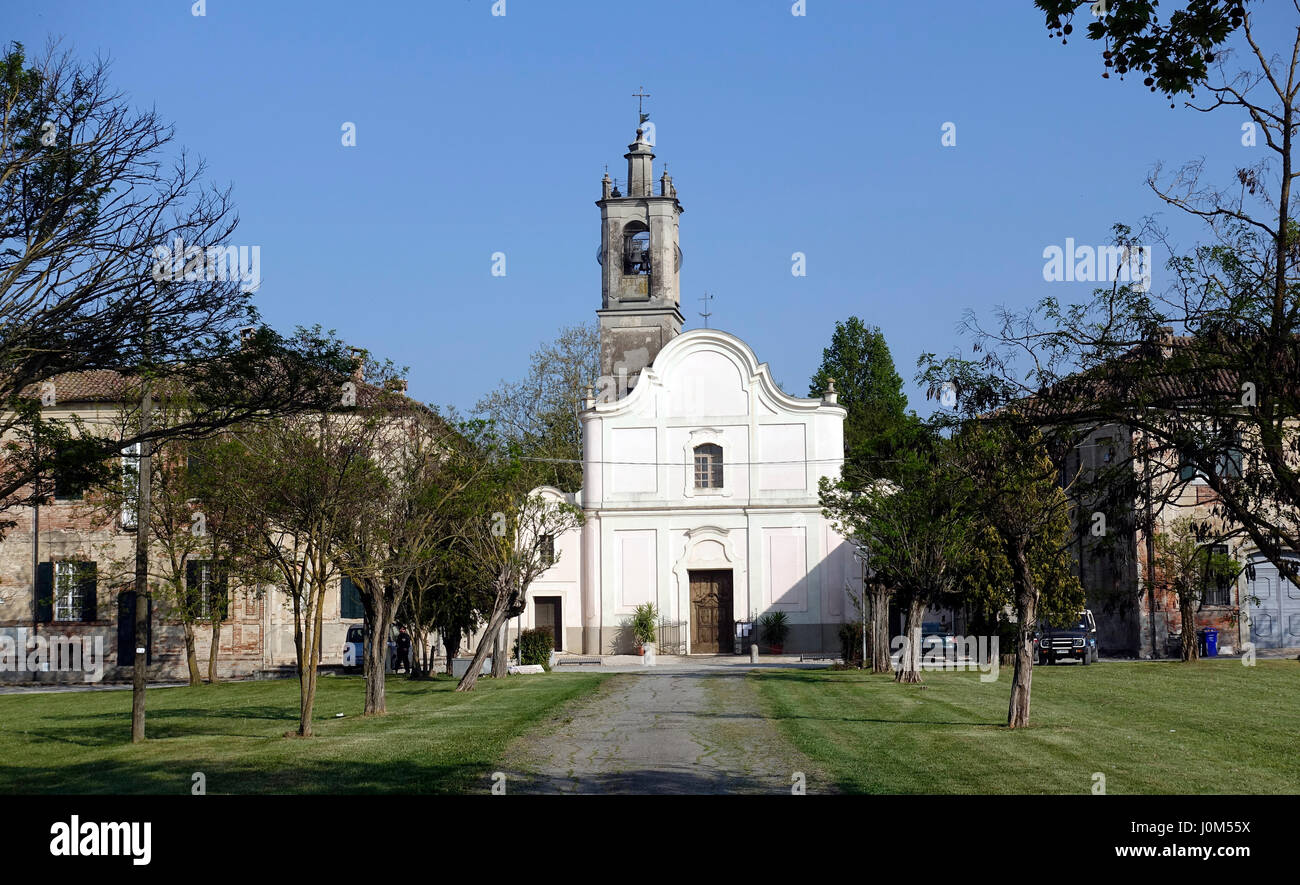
679	728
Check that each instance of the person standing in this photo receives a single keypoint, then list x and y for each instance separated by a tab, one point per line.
403	652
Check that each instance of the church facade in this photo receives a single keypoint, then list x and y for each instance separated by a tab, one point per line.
700	475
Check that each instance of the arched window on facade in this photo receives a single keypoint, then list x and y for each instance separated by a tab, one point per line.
708	466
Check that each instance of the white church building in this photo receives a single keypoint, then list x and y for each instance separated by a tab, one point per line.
699	474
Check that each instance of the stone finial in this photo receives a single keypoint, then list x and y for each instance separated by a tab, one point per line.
589	398
830	396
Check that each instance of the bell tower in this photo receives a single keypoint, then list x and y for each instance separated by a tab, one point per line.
640	267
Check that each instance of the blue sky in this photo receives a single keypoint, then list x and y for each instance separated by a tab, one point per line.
479	133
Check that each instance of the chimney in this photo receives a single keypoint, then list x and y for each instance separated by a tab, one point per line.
1166	341
358	365
397	385
246	335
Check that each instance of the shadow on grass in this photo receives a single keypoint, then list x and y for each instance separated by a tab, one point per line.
175	776
107	729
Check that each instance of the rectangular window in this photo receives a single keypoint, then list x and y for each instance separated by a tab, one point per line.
1228	464
206	588
130	486
65	491
203	589
1218	587
350	600
74	590
548	550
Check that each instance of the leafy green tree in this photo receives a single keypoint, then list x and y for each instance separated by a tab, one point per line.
915	535
1185	565
297	483
1203	369
871	391
1175	54
1017	501
446	597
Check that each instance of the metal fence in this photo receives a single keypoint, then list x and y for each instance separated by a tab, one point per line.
672	637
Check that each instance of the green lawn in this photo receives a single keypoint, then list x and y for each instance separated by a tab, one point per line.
432	740
1160	727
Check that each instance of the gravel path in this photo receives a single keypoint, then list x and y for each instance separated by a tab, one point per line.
673	731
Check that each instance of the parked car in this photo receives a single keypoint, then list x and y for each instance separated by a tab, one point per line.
354	647
1076	642
934	631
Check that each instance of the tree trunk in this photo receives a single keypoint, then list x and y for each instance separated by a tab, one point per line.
500	658
494	624
213	650
1026	620
308	656
451	641
1191	650
192	654
419	656
380	623
879	627
909	663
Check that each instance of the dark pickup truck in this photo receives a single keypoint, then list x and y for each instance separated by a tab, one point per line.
1076	642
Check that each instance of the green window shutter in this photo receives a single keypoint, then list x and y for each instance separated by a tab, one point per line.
350	600
88	589
191	588
44	602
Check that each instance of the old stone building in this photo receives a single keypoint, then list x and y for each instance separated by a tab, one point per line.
69	560
1137	617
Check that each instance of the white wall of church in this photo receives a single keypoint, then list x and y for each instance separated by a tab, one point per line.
649	526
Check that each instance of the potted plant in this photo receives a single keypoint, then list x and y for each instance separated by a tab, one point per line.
775	627
645	621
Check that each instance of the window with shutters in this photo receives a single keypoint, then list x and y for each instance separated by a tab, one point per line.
72	582
708	466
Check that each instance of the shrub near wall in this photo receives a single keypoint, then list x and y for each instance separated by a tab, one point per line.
535	647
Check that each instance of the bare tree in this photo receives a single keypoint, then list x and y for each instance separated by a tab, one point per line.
539	414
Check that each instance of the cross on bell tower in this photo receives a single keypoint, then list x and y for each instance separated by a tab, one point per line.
641	95
640	263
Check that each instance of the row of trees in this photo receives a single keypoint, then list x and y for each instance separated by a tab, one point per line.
430	519
968	513
979	497
256	458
